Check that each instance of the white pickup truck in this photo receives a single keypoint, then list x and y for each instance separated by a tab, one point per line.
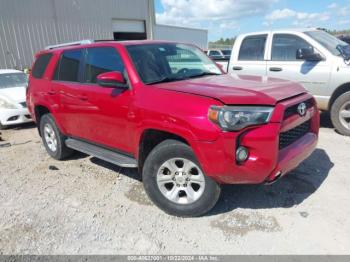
314	58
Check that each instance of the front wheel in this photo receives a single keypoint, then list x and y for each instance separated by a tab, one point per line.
175	182
340	114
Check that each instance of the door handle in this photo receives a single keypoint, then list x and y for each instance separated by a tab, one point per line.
275	69
83	98
237	68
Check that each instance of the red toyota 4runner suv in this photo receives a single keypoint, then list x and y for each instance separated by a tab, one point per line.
170	111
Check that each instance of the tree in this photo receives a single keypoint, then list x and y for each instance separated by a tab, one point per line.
222	41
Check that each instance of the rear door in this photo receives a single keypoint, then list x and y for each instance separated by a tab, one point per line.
313	75
67	86
250	59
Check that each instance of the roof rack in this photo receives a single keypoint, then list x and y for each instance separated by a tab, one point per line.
82	42
104	40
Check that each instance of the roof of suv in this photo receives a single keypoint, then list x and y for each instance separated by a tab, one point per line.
85	43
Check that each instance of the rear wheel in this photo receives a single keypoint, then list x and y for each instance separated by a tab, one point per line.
175	182
340	114
53	139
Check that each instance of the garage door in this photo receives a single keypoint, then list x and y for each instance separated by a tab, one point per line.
129	29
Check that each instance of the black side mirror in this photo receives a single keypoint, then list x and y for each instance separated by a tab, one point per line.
308	54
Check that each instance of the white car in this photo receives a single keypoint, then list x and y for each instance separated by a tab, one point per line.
13	108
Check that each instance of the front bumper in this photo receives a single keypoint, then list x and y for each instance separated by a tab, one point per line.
266	161
14	116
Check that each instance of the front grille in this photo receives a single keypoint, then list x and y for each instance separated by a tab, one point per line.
24	104
293	110
289	137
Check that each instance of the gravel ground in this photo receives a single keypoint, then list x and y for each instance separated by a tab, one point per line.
86	206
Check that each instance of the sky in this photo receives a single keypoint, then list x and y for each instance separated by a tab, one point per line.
228	18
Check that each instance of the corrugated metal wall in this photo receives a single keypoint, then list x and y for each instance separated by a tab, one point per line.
27	26
198	37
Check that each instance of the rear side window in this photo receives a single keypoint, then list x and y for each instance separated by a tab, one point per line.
101	60
40	65
68	66
253	48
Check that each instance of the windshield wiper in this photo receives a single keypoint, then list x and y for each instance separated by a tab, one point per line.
173	78
164	80
204	74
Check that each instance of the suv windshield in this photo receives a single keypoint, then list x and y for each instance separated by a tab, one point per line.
165	62
328	41
13	80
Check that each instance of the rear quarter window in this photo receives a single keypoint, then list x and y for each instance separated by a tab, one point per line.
40	65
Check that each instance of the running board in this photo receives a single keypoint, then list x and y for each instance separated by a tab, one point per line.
101	153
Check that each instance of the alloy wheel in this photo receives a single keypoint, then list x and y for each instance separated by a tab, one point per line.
180	181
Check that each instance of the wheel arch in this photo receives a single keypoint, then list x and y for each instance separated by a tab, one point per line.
39	111
152	137
338	92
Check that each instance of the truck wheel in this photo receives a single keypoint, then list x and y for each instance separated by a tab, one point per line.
175	182
53	139
340	114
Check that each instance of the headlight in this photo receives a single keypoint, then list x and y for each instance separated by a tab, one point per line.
234	118
6	105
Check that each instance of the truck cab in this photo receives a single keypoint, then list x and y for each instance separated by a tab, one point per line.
311	57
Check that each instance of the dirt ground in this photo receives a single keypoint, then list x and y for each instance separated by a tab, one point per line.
86	206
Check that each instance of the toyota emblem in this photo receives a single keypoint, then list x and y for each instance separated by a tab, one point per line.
302	109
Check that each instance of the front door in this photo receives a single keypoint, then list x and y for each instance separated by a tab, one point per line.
313	75
105	119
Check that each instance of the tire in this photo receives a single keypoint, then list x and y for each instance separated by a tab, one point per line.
193	195
2	127
49	134
341	108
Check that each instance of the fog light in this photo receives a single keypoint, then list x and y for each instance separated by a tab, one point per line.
242	154
13	118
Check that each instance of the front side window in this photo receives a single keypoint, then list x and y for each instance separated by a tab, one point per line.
68	66
252	48
166	62
13	80
101	60
285	47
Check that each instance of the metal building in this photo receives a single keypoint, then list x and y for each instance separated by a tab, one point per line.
30	25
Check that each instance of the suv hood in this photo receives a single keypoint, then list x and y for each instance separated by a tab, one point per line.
236	89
